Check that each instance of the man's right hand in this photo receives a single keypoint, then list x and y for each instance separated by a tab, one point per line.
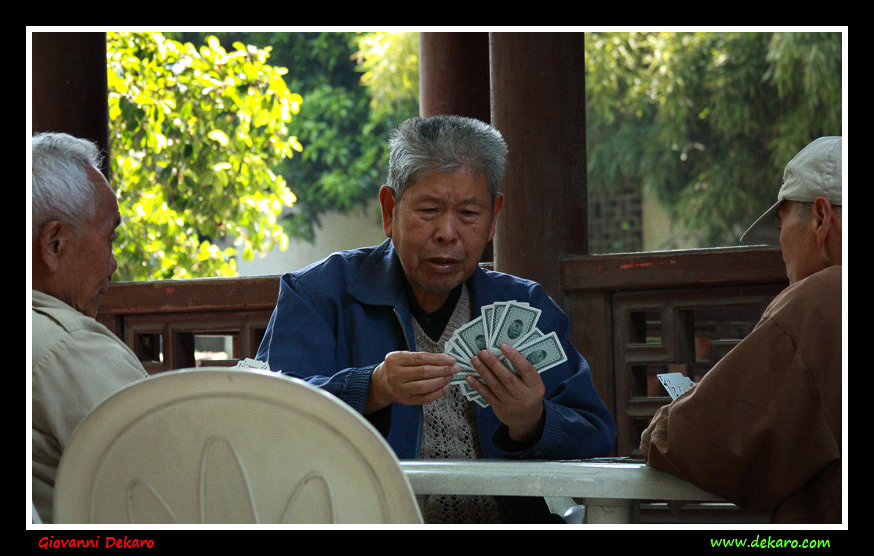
413	378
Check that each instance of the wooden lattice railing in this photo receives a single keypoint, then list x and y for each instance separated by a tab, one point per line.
632	315
638	315
161	320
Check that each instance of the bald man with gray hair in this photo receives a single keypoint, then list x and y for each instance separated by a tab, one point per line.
76	361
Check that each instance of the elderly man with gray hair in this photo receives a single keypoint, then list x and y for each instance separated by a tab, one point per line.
77	362
371	325
763	427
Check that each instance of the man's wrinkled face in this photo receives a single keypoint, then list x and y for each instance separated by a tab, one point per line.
440	227
87	264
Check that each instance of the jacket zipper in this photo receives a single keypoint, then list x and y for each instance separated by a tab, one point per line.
421	410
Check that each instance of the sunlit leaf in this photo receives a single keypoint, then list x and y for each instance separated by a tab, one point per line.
186	144
218	135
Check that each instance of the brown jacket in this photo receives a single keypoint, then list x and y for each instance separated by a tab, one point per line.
762	429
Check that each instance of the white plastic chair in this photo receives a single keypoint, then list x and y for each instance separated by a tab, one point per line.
225	445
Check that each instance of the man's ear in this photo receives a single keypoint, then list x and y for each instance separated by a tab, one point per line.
51	243
387	202
496	208
823	219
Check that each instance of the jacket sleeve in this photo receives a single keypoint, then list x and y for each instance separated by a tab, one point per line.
578	425
300	341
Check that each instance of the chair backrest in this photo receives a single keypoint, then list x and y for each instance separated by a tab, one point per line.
225	445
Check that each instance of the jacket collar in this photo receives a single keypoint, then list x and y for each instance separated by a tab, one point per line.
378	281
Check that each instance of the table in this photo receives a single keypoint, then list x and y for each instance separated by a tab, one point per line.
610	488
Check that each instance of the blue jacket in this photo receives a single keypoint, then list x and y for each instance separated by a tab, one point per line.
336	320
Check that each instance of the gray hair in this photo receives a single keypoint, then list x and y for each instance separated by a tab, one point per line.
803	209
60	186
445	143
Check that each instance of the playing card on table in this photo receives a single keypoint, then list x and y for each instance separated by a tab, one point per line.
253	364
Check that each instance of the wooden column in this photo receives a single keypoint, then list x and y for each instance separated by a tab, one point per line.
454	74
538	103
69	86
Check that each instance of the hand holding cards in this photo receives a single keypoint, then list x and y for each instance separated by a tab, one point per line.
508	322
676	384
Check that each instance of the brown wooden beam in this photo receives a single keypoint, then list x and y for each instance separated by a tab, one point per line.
665	269
454	74
538	103
70	87
196	294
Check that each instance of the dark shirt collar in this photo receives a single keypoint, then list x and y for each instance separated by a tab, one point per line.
432	323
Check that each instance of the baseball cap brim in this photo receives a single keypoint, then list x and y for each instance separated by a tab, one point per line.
816	171
764	230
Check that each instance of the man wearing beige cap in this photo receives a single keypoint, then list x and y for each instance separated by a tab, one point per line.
762	429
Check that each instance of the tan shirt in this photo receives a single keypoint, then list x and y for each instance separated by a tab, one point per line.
77	363
762	429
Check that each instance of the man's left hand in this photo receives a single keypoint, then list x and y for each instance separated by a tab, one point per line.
517	400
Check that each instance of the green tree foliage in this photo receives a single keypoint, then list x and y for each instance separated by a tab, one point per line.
390	62
197	135
345	129
707	121
348	81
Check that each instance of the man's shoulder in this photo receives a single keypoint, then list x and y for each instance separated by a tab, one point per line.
823	287
52	316
509	282
831	277
57	328
339	263
365	273
815	299
501	286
